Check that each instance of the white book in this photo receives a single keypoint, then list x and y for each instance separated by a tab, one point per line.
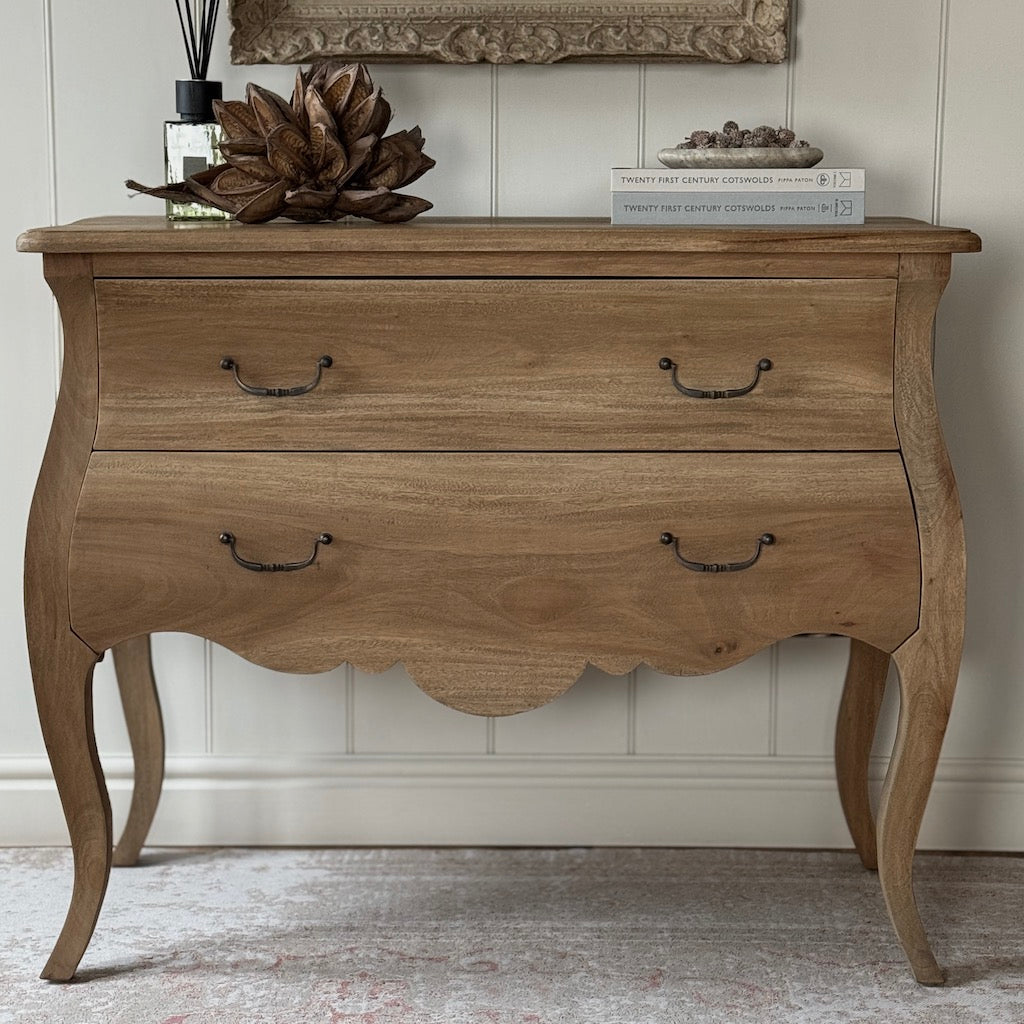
738	208
768	179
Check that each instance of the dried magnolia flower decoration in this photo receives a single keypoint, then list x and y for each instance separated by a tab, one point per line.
324	156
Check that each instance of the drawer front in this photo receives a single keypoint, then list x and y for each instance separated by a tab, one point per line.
495	577
495	365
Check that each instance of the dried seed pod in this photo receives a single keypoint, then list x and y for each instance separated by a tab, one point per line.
698	140
733	137
320	157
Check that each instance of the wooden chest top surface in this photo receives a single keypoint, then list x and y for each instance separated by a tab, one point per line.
486	234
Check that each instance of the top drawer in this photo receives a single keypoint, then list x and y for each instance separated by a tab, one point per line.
495	365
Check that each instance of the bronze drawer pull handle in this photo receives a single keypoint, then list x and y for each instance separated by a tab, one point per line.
762	365
229	539
323	363
763	541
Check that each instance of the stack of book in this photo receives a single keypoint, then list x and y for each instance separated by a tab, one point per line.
774	195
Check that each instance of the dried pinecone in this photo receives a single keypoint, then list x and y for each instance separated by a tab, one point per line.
321	157
763	135
733	137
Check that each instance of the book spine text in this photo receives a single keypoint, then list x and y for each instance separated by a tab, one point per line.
808	179
737	208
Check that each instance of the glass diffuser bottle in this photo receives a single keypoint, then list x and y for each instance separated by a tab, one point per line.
191	144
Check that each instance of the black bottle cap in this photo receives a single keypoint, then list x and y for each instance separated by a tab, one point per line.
195	99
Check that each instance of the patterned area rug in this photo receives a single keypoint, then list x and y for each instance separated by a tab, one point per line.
457	936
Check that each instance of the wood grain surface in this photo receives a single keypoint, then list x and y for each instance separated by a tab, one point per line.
496	575
133	664
495	578
62	665
485	234
929	661
863	690
462	365
423	262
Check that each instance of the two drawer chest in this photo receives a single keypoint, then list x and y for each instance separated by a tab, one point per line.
495	451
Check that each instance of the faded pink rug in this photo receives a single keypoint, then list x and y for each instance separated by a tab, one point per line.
486	936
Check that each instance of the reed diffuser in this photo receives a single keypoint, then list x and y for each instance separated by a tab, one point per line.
191	144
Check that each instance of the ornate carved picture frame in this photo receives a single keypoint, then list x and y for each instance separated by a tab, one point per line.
506	32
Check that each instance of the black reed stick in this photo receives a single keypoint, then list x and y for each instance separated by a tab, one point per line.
193	50
211	25
184	35
198	45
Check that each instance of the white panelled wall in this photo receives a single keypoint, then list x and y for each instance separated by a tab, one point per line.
907	89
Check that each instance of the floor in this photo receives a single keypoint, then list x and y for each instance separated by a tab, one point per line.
510	936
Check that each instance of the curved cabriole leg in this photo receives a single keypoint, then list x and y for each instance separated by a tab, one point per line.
929	660
62	664
62	670
855	732
927	679
134	668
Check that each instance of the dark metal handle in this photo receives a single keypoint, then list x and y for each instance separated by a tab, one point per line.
763	541
229	539
323	363
762	365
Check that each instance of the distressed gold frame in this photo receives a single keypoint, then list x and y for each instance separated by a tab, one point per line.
504	32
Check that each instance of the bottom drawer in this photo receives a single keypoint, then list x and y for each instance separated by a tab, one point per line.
495	578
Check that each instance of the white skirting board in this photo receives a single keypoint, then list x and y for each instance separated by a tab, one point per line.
492	800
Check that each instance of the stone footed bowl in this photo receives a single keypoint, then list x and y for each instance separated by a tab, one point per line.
804	156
